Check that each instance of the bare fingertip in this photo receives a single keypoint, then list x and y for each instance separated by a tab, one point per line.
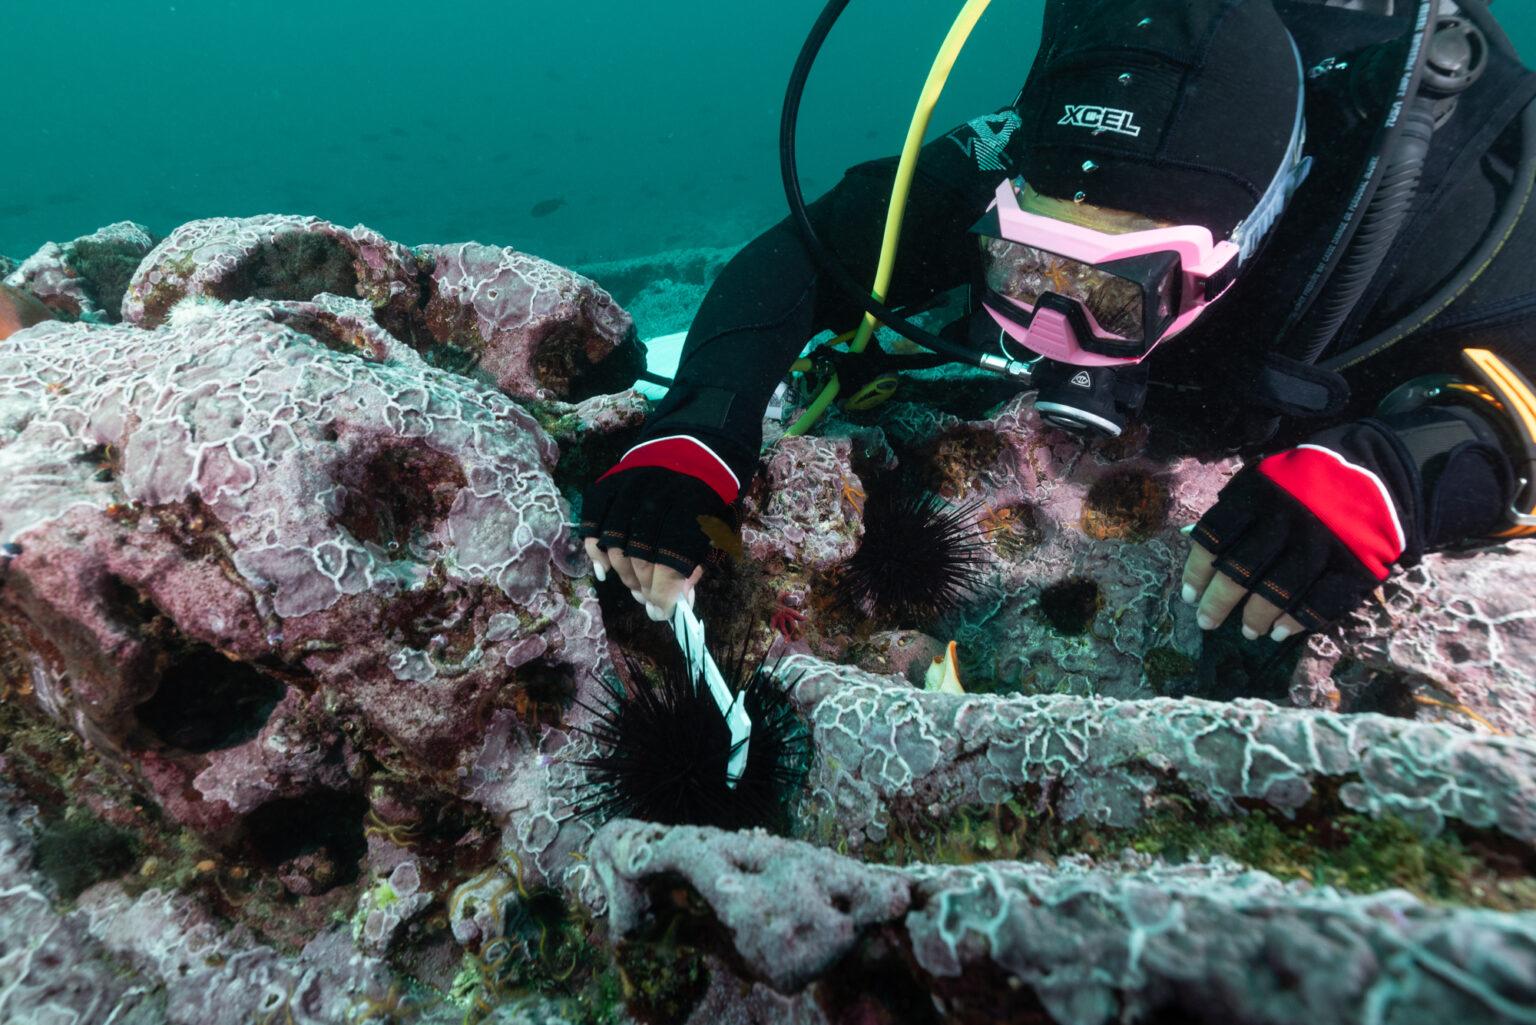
1206	621
1250	633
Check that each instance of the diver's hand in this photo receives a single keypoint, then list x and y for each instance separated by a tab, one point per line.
1306	535
642	519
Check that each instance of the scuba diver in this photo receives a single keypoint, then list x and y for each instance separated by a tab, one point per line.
1297	227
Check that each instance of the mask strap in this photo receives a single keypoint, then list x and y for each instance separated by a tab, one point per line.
1293	170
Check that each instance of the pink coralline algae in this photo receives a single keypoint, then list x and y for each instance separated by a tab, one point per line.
158	956
1452	640
1052	511
289	595
273	257
810	515
85	279
538	330
215	506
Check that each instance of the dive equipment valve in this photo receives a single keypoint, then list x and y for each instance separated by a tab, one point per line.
1502	394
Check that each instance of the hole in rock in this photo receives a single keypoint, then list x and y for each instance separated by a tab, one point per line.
328	332
1071	604
953	461
124	604
1385	693
105	460
874	983
207	702
456	359
550	690
667	954
1013	530
571	363
296	265
396	492
328	823
1129	505
104	269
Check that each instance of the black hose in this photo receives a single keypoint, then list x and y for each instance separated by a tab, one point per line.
1515	205
1383	221
1342	246
788	127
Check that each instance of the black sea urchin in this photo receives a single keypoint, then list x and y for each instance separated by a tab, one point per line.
920	558
663	749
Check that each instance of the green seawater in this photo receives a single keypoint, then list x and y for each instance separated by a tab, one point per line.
578	131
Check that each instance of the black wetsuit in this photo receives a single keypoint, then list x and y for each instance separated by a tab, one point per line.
771	298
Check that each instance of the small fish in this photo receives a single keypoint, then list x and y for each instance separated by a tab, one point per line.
545	207
721	536
20	310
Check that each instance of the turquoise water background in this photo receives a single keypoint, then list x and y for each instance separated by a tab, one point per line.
580	132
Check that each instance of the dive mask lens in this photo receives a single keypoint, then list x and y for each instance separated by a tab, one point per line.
1114	295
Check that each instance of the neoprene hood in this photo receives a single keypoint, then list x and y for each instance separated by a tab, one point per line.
1181	110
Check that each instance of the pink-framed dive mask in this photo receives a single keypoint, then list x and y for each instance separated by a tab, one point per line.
1092	298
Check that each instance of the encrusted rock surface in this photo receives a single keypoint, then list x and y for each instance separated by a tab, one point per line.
304	502
290	560
810	515
155	957
274	256
1088	553
1453	640
1085	943
1081	593
85	279
891	755
539	330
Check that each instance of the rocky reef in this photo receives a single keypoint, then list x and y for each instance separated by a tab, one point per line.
298	655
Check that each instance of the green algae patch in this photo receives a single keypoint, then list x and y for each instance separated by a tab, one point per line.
79	851
550	950
1353	852
1326	845
1165	665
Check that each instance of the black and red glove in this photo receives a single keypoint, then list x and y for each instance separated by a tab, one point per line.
649	504
1314	530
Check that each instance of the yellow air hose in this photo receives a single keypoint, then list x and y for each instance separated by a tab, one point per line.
938	76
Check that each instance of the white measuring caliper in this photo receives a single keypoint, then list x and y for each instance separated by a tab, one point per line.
690	636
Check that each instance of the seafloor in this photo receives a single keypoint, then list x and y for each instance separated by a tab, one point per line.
296	649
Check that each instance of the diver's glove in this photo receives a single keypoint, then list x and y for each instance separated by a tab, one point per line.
1317	528
656	502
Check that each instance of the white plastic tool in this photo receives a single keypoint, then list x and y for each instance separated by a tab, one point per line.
690	635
